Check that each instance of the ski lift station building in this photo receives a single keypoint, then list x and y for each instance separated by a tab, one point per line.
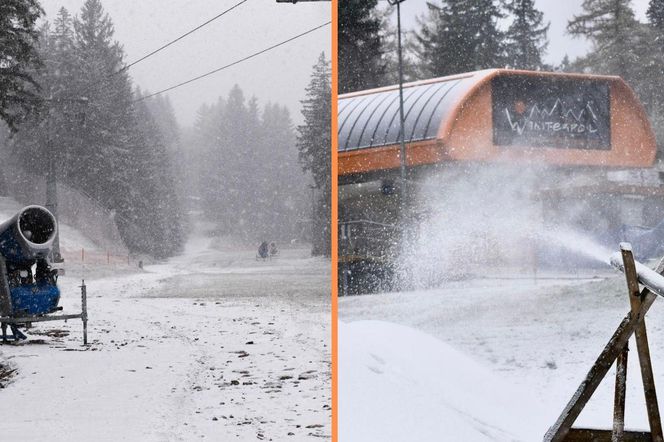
589	132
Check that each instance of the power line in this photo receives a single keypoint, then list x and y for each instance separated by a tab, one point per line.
181	36
255	54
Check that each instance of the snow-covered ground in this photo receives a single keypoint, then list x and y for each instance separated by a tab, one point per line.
209	345
484	359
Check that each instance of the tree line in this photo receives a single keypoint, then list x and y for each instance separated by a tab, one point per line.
456	36
251	164
69	100
248	178
65	96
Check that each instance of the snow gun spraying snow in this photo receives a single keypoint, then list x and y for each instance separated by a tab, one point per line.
28	285
641	299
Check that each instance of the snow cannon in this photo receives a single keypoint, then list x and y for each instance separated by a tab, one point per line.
28	235
25	243
28	285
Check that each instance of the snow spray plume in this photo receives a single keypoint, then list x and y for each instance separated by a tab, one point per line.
480	217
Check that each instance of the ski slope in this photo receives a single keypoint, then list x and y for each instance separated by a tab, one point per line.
484	359
210	345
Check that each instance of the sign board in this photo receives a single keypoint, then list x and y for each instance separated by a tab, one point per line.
564	113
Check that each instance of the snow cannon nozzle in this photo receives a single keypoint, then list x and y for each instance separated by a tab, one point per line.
626	246
28	235
644	274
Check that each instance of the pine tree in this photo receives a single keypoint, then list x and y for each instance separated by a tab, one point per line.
250	183
313	142
361	61
655	14
565	65
53	127
104	162
390	50
614	31
459	36
19	92
104	144
284	188
652	70
526	38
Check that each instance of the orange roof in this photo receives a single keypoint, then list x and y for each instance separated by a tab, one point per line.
497	115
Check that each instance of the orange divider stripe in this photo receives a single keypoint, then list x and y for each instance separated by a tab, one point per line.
334	226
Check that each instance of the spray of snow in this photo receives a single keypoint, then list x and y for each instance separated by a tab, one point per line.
478	217
576	242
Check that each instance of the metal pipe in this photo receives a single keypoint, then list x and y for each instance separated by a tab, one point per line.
646	276
402	137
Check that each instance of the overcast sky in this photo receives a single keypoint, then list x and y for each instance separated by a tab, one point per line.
558	12
278	76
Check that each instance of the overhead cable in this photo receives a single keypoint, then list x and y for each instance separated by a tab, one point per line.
181	36
255	54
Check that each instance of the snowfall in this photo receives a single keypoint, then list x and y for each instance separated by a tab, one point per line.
209	345
485	359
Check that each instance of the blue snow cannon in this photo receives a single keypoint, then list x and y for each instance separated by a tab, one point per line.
27	282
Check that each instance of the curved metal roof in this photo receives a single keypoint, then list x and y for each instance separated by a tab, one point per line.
371	118
461	118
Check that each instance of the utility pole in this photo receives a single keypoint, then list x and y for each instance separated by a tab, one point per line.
402	151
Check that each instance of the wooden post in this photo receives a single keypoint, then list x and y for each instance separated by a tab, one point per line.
619	396
598	371
84	311
642	348
616	348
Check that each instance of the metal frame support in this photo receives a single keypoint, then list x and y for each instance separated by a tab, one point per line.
13	322
5	294
616	350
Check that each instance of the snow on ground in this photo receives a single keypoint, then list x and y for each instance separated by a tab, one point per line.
210	345
426	390
484	359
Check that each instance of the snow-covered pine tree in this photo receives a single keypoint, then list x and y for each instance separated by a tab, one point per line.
459	36
285	183
157	208
526	38
361	61
18	59
206	181
313	142
249	181
104	163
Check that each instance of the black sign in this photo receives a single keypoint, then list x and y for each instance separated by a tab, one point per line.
563	113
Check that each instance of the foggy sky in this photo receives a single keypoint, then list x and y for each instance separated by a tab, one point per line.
278	76
558	12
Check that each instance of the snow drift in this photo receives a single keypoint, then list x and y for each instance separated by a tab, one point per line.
399	384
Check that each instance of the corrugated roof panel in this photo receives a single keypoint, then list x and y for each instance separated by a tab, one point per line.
391	121
372	119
